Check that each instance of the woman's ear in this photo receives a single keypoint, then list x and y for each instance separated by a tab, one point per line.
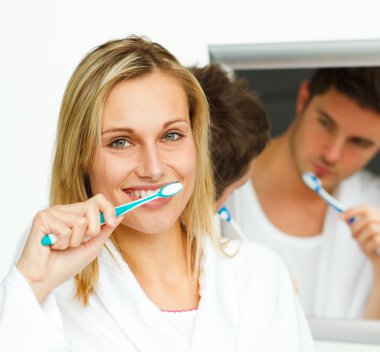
303	96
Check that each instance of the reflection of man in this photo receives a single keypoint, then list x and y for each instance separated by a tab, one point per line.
335	133
239	127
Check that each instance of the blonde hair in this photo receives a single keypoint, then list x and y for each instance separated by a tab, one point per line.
79	134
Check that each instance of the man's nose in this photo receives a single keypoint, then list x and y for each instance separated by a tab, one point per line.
333	150
151	164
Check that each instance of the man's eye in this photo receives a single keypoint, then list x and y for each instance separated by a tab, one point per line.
120	143
172	136
324	122
364	144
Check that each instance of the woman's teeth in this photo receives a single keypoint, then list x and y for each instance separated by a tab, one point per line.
143	193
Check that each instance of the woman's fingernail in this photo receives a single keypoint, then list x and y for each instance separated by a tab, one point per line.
112	221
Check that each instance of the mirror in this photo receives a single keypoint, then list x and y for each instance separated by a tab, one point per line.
275	71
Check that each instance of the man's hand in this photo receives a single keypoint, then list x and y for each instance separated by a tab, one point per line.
366	231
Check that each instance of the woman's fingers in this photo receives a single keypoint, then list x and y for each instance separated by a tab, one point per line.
92	212
92	206
104	206
77	225
83	219
46	222
79	238
78	231
34	260
94	244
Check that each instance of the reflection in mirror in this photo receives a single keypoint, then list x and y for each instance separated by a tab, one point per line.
334	134
278	89
333	273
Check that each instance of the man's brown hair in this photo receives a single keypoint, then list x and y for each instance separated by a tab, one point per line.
239	125
361	84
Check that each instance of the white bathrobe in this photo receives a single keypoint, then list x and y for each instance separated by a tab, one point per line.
343	277
247	304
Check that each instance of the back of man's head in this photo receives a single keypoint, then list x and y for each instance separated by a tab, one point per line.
239	126
361	84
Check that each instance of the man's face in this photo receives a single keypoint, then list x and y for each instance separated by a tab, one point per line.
333	136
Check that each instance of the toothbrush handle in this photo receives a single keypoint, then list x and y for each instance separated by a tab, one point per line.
334	203
238	230
122	209
50	239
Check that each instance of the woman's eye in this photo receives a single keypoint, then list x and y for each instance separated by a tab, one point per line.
172	136
120	143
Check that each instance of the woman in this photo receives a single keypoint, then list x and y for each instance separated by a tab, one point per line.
133	120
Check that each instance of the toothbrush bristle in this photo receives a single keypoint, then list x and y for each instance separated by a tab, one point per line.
171	189
311	181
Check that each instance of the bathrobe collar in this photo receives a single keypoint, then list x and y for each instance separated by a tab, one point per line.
216	324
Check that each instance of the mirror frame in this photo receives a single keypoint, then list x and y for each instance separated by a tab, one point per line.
297	54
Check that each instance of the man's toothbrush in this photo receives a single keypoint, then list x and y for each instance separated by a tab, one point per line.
167	191
225	215
315	184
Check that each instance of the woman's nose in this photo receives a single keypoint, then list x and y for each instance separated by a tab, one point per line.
151	166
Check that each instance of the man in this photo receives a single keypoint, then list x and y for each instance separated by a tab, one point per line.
335	133
239	128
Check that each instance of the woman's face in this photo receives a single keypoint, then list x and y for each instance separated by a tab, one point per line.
146	143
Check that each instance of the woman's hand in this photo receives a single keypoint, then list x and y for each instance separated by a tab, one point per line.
366	231
79	239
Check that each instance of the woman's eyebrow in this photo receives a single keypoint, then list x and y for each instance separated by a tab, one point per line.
118	129
167	124
130	130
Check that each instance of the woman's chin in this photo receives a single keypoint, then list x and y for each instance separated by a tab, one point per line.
150	227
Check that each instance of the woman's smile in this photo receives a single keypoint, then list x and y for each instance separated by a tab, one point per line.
138	192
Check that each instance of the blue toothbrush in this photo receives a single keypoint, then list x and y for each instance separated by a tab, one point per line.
314	184
167	191
225	215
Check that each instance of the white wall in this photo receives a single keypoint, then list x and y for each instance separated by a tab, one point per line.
43	40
